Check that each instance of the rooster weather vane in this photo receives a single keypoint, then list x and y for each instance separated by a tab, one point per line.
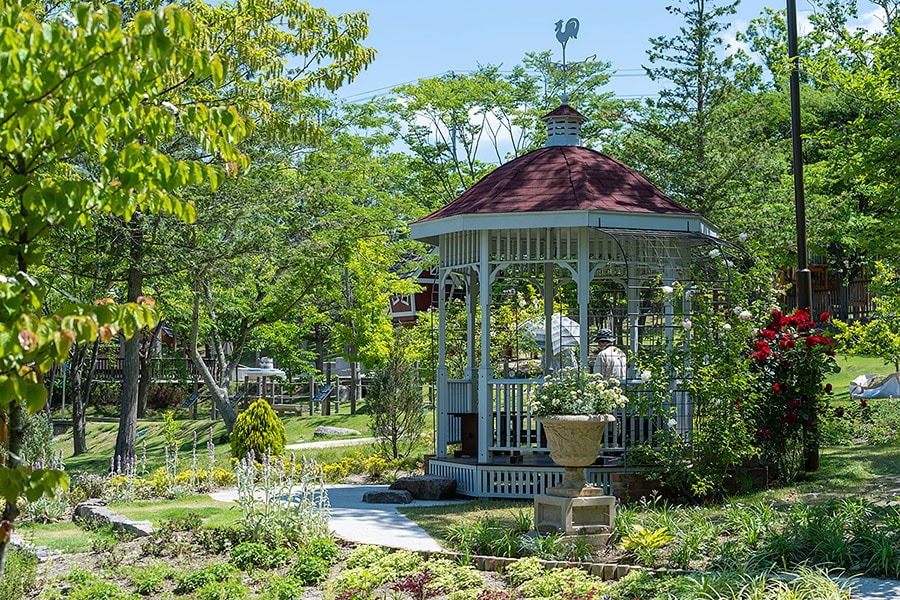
564	35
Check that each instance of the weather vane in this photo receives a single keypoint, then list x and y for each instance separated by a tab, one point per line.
564	35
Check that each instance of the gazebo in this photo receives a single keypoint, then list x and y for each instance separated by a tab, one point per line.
568	221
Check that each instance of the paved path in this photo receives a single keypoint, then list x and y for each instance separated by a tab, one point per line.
356	521
868	588
331	444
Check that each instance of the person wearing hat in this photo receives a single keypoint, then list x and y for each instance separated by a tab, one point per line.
610	361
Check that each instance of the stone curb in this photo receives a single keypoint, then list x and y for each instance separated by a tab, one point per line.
95	511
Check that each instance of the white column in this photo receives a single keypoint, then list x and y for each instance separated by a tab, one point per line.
548	294
584	294
485	420
443	390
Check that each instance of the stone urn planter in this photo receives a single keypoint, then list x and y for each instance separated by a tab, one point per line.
574	442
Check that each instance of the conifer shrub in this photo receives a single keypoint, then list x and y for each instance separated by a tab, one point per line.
259	429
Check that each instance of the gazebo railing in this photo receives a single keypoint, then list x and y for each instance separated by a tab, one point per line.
515	428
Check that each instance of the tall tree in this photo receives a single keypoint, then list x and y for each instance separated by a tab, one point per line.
699	140
70	88
272	64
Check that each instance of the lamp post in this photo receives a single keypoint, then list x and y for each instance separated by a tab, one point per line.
803	280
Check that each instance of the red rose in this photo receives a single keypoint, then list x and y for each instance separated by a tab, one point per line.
767	334
794	404
790	417
823	318
762	345
828	388
776	388
787	343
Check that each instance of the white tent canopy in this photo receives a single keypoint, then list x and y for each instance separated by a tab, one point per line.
564	332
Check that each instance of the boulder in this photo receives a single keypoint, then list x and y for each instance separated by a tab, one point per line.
427	487
388	497
322	431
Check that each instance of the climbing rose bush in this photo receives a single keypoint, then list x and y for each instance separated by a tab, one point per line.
792	356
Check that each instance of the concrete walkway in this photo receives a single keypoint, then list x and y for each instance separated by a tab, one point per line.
331	443
356	521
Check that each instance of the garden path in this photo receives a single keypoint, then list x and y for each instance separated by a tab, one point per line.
356	521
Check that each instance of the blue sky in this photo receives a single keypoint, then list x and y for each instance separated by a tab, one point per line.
426	38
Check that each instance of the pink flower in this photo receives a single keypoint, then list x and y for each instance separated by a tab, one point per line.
27	339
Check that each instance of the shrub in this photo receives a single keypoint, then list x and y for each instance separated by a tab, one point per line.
395	404
253	555
224	590
323	548
212	574
258	429
217	540
148	581
309	569
37	441
283	588
19	576
568	583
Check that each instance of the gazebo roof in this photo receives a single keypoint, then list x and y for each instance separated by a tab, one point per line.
561	185
561	178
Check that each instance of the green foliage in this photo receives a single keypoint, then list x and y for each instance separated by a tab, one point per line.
644	543
280	587
149	581
254	555
647	585
218	573
170	428
224	590
19	576
324	548
395	404
878	336
309	569
792	356
370	567
524	570
556	583
266	517
257	429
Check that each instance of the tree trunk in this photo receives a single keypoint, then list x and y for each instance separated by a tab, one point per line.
14	431
219	394
79	401
125	444
152	351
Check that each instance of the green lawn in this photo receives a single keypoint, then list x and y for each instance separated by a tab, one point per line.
101	439
213	512
851	368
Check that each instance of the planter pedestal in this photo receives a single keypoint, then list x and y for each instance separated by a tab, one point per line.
575	508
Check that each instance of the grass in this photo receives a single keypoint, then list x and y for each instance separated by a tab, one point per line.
101	439
213	512
62	536
437	520
851	368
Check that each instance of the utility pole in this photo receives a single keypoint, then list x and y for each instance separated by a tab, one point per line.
803	280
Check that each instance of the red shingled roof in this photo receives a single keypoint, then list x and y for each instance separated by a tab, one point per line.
564	110
561	178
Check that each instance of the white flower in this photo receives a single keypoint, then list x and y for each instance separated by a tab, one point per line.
672	423
727	263
745	315
667	289
743	237
727	326
714	253
646	376
687	324
737	309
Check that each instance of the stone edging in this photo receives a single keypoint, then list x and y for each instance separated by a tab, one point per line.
95	511
605	571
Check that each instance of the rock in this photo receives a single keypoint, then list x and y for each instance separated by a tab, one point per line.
322	431
388	497
427	487
95	511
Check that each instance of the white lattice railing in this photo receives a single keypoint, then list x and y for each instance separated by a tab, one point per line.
510	481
